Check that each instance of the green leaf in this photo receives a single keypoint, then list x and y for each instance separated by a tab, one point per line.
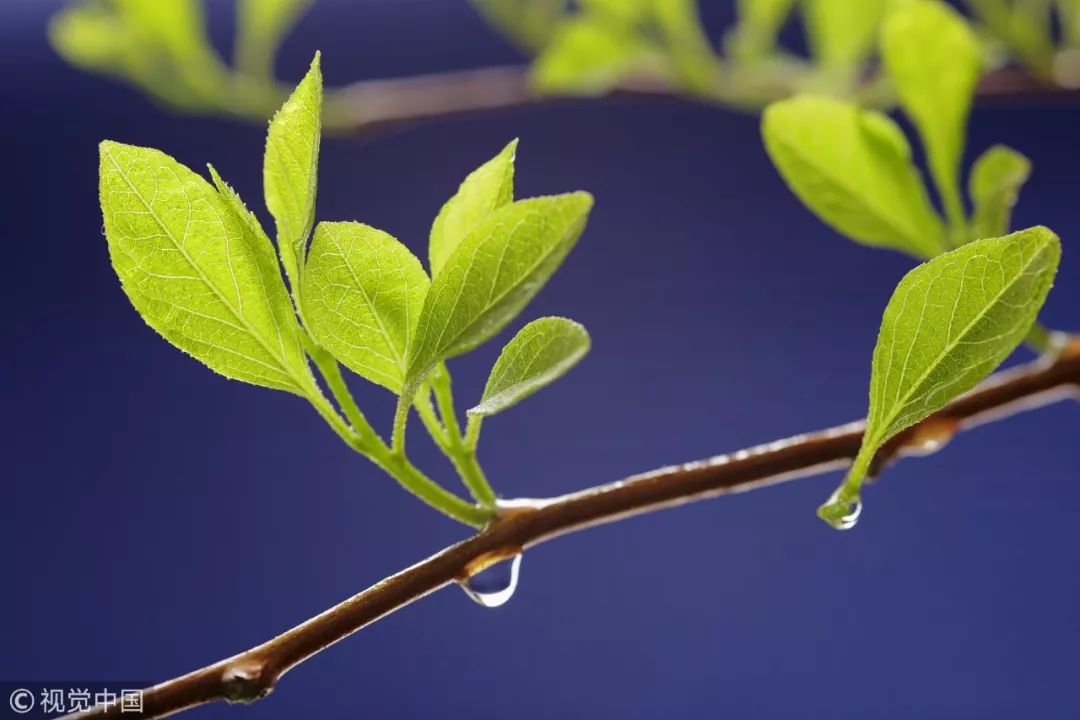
996	179
178	24
1069	18
502	263
623	11
842	33
589	56
193	265
541	353
950	322
160	46
486	189
853	168
529	23
933	59
692	58
260	26
91	37
290	171
362	295
758	23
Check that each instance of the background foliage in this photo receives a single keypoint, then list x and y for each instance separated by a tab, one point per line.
953	545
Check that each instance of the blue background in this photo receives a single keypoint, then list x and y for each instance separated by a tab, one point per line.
158	517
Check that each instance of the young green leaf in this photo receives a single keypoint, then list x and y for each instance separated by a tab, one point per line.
499	266
933	59
623	11
260	25
362	295
486	189
290	170
541	353
1069	18
950	322
692	58
853	168
588	55
529	23
758	23
842	33
160	46
996	179
194	267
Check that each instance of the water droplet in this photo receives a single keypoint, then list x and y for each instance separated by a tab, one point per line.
841	514
931	436
494	585
103	229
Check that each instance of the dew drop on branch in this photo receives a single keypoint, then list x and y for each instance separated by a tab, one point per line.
495	585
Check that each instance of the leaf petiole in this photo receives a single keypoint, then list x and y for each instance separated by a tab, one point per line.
461	452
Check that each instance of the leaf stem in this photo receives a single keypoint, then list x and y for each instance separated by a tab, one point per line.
423	487
401	421
331	373
472	431
1044	341
391	459
461	453
428	416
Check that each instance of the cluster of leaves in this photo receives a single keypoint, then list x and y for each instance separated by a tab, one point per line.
1041	35
955	318
581	47
199	268
162	47
591	46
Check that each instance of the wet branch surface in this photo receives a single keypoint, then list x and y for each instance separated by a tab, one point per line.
251	675
370	104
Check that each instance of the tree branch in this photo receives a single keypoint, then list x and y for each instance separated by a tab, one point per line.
373	103
524	523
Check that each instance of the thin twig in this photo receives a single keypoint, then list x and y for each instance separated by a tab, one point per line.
522	524
369	104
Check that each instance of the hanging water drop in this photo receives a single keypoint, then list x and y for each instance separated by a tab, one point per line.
103	230
494	585
841	514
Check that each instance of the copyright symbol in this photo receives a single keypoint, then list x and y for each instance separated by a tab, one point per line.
21	701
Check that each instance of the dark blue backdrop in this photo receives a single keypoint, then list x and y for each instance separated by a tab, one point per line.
157	517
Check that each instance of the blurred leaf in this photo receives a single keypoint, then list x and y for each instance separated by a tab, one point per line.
996	179
194	266
853	169
949	324
531	24
624	11
485	190
1024	26
589	56
499	266
842	33
290	170
933	59
541	353
1069	15
759	21
160	46
362	295
692	57
260	26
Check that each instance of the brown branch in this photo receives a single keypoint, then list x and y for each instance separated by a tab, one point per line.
522	524
373	103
